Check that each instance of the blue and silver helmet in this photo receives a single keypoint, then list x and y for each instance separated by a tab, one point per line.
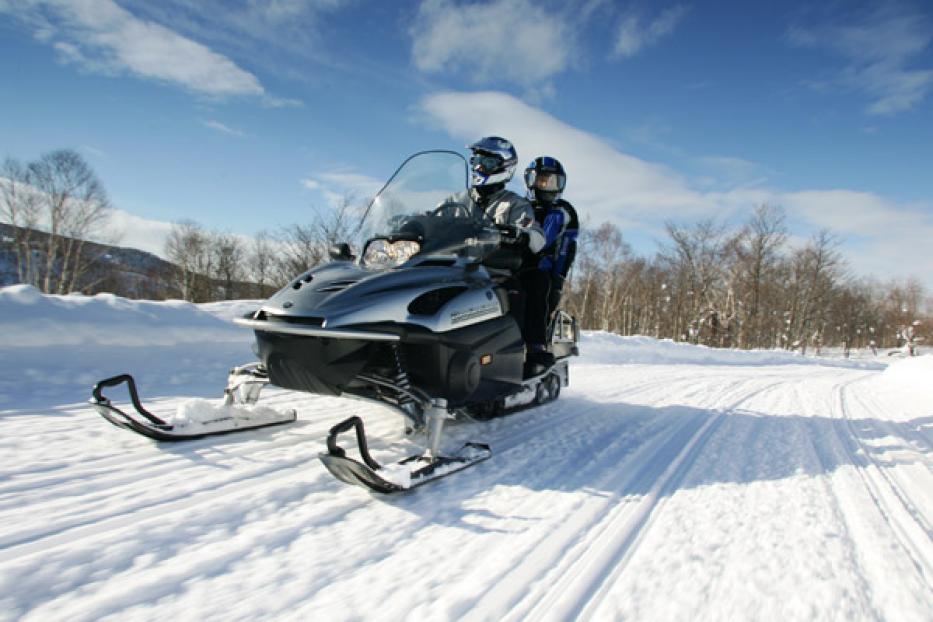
493	161
545	179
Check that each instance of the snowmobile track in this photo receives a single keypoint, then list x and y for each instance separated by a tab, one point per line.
907	524
615	529
68	529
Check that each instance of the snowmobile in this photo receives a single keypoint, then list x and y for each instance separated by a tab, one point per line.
418	321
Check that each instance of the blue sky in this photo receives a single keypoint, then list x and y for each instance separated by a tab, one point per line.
244	115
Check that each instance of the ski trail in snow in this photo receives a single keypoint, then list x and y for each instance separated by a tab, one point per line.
623	533
909	526
578	559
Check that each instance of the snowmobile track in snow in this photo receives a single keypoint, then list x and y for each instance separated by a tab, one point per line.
908	524
583	575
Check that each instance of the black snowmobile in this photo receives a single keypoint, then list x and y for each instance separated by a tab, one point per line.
418	321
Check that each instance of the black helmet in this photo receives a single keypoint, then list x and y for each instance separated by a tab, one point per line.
545	179
493	161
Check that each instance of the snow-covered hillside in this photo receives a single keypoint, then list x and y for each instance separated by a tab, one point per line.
668	482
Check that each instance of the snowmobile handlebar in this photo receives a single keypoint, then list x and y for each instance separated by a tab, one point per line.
512	235
116	381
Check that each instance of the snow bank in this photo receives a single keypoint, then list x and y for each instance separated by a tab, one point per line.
29	319
913	374
57	347
604	348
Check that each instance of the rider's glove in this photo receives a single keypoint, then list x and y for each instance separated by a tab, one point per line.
510	235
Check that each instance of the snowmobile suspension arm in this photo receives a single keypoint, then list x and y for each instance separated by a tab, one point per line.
345	426
134	395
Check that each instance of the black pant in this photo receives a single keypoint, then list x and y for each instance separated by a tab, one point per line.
537	288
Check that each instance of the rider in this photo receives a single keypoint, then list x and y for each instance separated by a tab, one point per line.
545	179
492	165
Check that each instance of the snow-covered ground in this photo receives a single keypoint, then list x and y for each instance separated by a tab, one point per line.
669	482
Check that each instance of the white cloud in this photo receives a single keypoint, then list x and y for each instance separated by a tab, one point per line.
508	40
132	231
634	34
101	36
263	31
612	185
335	186
893	240
281	102
732	171
883	237
220	127
878	49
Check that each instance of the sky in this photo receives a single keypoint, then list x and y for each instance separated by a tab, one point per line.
248	116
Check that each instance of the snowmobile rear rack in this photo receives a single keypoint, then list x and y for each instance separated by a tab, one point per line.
405	474
243	386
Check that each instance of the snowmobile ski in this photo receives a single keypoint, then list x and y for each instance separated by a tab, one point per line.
405	474
234	416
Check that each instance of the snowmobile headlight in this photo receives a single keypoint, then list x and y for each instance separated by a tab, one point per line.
385	254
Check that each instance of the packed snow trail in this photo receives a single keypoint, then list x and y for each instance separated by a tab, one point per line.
667	482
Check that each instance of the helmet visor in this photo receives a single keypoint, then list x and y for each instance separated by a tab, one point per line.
549	182
485	163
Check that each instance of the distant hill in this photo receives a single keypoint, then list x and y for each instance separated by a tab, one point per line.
127	272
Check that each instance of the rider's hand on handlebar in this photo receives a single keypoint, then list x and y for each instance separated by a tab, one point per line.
510	235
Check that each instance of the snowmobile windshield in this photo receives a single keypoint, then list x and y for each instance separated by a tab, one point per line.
425	208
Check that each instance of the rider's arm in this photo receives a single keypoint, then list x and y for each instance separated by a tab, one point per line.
552	226
568	242
518	212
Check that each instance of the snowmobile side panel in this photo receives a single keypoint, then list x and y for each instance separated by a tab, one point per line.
442	364
310	331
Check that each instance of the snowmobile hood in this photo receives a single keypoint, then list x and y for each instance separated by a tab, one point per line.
342	294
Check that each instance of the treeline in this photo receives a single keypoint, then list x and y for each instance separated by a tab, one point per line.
213	265
744	287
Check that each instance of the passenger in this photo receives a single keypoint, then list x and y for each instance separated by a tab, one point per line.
545	273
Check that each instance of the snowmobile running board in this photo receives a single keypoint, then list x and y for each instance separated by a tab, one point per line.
243	388
405	474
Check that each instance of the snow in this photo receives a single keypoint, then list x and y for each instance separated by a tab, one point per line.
200	416
912	374
668	482
30	319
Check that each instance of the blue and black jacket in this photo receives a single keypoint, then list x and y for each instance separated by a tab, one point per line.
561	228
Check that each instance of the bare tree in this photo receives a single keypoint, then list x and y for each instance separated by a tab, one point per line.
188	247
815	270
758	253
75	206
260	261
227	262
20	207
695	259
339	223
60	196
300	248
